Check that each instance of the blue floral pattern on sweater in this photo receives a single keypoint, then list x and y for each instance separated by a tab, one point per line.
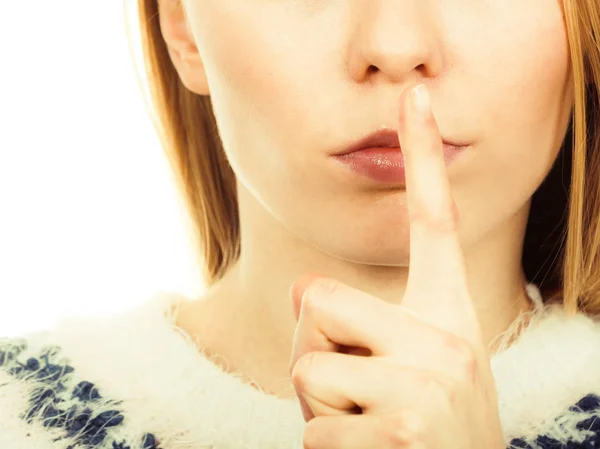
59	402
48	401
591	426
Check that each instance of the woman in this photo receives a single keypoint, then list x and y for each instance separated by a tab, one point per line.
284	122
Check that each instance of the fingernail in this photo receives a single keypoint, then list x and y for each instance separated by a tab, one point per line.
421	100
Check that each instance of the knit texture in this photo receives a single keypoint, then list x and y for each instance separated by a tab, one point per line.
135	381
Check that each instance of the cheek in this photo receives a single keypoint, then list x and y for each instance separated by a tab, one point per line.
528	71
255	83
521	95
522	71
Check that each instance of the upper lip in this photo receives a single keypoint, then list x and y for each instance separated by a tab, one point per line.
385	138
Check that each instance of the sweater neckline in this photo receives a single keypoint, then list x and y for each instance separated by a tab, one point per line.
222	407
168	304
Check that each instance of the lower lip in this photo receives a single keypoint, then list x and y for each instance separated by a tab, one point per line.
386	165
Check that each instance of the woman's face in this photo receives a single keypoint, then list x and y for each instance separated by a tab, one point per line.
293	81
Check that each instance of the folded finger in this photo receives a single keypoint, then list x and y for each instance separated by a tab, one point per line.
333	316
337	384
402	429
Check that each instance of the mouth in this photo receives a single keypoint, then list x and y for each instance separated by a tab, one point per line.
385	138
379	158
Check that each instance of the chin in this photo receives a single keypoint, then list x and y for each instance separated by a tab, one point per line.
382	255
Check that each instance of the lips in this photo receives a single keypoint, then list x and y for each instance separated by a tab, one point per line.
378	139
378	157
384	138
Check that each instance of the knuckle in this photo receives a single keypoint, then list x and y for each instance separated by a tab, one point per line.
424	380
313	435
404	429
434	387
389	371
311	301
452	390
304	370
464	356
444	390
326	285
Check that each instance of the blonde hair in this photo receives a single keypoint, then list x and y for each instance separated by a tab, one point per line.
562	245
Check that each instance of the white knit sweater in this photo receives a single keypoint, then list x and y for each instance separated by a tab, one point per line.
135	381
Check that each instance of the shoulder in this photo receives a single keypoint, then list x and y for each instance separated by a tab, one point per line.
43	403
549	382
578	427
61	388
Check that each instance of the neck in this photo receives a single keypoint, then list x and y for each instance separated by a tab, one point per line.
251	308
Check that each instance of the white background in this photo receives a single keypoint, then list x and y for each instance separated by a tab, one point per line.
90	220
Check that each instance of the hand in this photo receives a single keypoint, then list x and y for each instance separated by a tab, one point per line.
371	374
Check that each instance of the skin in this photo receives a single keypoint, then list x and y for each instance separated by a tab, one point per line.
293	81
361	383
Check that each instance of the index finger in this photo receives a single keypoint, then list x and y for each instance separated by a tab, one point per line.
437	283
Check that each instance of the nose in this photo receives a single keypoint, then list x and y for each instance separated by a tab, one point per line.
395	39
